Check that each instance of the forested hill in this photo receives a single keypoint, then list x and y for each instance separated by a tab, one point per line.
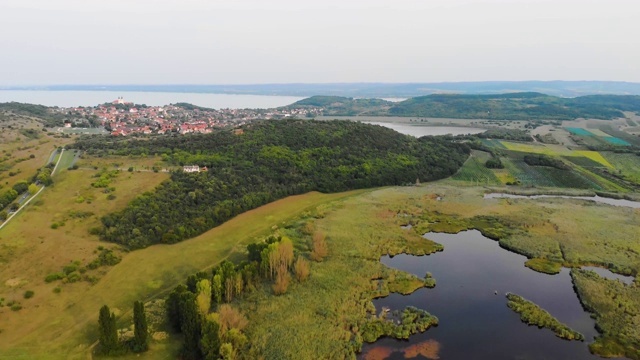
268	161
338	105
511	106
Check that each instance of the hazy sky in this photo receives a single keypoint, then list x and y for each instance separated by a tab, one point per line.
284	41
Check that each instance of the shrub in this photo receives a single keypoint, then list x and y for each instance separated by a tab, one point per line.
230	318
73	277
28	294
282	281
16	307
319	247
57	290
68	269
301	268
53	277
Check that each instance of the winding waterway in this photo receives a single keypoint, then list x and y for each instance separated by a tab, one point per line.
473	274
596	198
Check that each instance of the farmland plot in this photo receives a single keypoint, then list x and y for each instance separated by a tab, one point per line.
475	171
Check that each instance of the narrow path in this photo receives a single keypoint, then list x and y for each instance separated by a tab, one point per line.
21	207
57	163
52	156
33	197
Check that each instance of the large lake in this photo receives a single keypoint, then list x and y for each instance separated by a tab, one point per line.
418	131
475	322
92	98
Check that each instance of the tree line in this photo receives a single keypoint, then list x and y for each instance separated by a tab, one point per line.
200	309
7	198
509	106
269	161
111	344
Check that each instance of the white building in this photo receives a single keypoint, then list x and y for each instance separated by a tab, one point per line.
191	168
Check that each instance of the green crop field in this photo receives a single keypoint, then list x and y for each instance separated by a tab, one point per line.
628	165
585	162
475	171
493	143
525	174
567	178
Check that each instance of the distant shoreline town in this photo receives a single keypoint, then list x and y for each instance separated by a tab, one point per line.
123	118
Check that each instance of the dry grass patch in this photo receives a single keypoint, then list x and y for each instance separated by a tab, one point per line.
63	325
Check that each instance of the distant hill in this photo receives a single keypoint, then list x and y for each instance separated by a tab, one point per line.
510	106
337	105
377	90
38	112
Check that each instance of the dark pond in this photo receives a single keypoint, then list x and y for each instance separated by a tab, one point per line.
610	275
599	199
475	323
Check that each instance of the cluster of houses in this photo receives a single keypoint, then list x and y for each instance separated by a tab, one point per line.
123	118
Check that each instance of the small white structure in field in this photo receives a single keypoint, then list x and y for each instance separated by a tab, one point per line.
191	168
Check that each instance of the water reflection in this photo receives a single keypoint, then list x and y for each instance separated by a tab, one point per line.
598	199
475	322
610	275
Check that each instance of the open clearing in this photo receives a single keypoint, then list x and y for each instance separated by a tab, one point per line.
16	151
53	326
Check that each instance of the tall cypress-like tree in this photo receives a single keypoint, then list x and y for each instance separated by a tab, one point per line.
108	331
210	341
191	326
173	307
141	332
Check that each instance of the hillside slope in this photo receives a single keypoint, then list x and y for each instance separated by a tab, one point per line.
269	161
510	106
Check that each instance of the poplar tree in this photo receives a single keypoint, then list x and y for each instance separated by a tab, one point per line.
191	326
140	331
210	341
108	331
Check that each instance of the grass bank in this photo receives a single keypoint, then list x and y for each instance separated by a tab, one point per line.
62	325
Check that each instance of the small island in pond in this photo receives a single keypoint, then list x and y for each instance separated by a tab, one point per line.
532	314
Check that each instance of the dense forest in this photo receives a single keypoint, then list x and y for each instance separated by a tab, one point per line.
269	160
511	106
342	106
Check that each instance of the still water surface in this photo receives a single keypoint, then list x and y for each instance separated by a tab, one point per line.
599	199
475	323
418	131
92	98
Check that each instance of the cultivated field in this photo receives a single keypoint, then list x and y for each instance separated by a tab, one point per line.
582	169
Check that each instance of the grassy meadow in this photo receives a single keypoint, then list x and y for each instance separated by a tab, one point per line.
321	317
56	324
20	155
